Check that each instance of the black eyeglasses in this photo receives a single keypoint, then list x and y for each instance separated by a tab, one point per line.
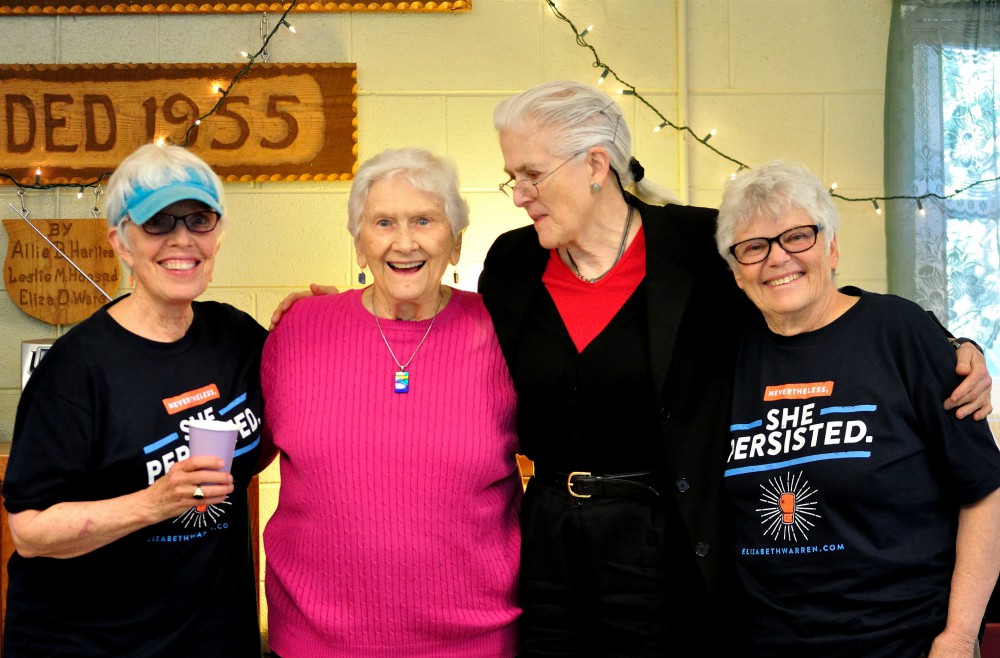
201	221
793	241
529	188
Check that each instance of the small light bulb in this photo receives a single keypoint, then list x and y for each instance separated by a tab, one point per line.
660	127
878	211
586	31
604	76
709	136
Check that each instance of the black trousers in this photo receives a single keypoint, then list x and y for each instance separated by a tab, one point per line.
608	577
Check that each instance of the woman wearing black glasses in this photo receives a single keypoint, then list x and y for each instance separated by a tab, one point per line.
866	517
126	546
618	321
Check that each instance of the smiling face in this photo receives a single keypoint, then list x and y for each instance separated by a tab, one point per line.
173	269
406	241
564	198
795	292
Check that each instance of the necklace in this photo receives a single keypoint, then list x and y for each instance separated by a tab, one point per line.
401	380
618	257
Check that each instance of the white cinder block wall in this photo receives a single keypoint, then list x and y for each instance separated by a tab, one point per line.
794	79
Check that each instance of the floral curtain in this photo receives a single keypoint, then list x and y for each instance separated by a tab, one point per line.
941	112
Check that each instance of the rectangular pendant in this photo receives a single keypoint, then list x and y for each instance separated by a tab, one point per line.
402	382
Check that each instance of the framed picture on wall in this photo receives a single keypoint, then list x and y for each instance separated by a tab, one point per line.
101	7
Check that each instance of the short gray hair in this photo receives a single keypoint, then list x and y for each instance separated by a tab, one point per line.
767	192
423	170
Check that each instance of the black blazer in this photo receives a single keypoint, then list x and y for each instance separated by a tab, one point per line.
695	315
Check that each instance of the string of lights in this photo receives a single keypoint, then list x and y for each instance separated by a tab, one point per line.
919	199
627	89
266	36
251	59
630	90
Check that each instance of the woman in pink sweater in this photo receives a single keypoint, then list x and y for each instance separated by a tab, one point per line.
396	532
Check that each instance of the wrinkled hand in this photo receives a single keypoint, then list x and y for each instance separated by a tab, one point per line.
286	303
951	645
173	494
973	395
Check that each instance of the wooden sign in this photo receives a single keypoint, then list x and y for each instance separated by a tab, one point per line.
279	122
55	7
44	284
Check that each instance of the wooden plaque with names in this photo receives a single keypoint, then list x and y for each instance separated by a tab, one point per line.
44	284
75	123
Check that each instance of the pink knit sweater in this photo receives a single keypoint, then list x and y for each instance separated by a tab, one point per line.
396	532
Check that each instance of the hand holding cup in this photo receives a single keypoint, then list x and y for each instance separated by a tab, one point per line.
214	438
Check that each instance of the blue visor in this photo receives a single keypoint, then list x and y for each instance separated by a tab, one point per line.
145	202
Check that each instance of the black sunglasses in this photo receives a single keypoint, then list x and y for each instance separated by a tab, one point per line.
201	221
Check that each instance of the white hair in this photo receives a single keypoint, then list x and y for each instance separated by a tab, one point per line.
578	117
423	170
153	166
768	192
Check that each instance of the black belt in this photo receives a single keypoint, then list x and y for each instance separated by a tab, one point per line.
581	484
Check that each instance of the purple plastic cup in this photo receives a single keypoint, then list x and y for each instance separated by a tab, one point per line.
213	437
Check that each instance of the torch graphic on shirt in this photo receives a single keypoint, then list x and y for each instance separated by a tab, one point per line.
789	511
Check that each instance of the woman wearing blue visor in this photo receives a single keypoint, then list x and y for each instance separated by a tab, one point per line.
127	545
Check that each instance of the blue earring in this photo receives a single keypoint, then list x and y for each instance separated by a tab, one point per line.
361	278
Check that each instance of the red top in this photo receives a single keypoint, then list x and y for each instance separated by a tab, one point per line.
586	308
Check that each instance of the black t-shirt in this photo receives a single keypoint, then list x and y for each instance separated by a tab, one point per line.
104	415
845	478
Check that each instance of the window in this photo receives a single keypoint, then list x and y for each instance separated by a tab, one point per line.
941	136
969	129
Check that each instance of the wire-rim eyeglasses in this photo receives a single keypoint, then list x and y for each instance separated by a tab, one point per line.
529	188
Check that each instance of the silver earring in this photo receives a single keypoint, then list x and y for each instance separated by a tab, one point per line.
361	278
595	188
